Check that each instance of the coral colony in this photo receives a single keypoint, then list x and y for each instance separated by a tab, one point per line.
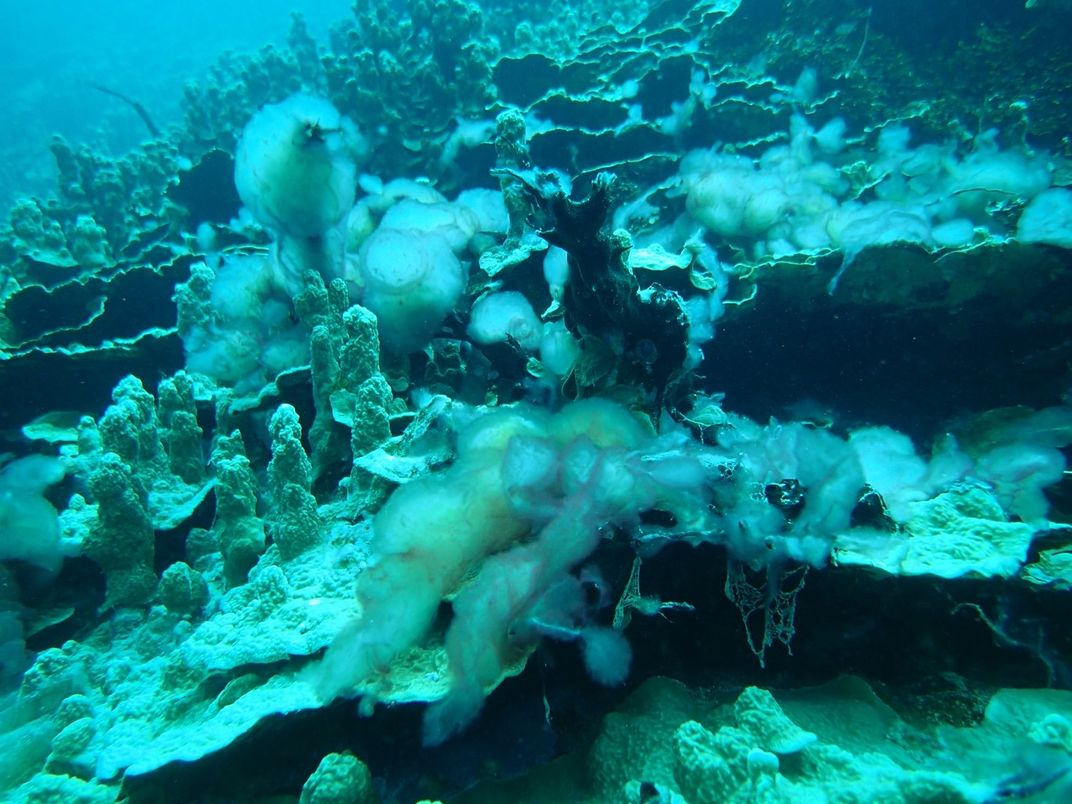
649	386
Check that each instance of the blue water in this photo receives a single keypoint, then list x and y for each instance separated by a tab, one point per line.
54	48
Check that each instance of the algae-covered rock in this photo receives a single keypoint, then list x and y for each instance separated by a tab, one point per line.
182	589
339	779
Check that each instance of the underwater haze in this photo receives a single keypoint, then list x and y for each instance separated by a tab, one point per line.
55	50
510	401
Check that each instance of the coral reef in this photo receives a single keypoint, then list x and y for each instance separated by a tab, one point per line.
523	369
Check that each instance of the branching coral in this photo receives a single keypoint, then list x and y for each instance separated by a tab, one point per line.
403	71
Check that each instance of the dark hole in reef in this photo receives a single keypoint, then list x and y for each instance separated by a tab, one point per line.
207	189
